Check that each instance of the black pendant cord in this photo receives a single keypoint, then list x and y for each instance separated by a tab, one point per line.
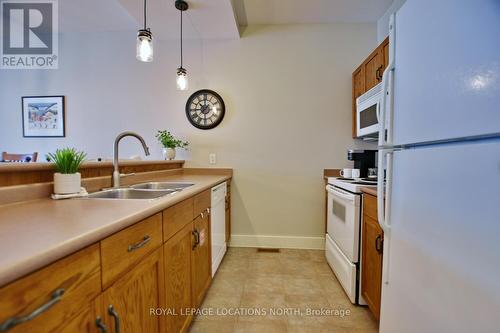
145	14
181	38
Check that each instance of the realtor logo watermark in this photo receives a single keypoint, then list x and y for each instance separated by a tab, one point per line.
29	34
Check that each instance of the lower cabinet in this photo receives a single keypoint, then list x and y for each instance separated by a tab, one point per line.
126	306
55	297
201	271
372	247
177	252
144	278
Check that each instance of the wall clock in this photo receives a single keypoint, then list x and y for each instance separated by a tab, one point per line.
205	109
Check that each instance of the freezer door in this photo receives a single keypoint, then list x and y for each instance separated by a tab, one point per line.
447	70
444	242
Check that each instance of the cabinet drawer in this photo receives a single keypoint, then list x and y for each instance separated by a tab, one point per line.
370	206
123	249
201	202
63	289
176	217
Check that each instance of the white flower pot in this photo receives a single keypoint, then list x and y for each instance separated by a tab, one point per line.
168	153
67	183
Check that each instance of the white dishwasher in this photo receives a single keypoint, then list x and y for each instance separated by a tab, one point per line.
218	225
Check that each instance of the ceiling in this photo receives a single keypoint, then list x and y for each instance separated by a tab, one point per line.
309	11
210	19
206	19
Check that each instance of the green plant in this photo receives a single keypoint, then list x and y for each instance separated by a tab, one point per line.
67	160
169	141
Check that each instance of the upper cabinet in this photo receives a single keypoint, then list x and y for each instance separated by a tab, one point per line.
368	75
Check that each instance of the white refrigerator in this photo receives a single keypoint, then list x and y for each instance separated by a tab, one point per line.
439	144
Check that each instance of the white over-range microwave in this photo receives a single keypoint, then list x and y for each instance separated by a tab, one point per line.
367	111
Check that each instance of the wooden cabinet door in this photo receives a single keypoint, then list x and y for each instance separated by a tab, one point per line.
50	298
371	277
177	253
131	300
385	51
358	88
374	66
85	322
201	259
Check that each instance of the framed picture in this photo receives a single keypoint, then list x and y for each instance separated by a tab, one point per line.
43	116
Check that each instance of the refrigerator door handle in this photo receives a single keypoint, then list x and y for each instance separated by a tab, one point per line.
385	115
383	197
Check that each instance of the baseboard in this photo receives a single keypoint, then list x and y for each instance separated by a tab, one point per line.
284	242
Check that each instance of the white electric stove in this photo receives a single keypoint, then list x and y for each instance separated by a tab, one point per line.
353	185
344	232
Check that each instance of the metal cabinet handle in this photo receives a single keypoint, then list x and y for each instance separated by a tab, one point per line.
100	325
196	235
136	246
208	211
379	244
112	312
378	73
14	321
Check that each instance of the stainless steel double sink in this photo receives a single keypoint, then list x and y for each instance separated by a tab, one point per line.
147	191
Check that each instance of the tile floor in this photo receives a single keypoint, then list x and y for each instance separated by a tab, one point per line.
248	280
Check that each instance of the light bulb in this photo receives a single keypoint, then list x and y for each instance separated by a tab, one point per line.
145	46
182	79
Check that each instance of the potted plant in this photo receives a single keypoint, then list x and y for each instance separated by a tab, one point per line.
170	143
67	179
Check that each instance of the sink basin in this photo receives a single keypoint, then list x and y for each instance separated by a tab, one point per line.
128	193
161	186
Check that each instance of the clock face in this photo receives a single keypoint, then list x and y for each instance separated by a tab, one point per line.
205	109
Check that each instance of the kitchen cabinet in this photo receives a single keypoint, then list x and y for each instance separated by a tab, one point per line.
371	255
126	305
53	297
368	75
121	251
374	67
177	254
162	262
201	271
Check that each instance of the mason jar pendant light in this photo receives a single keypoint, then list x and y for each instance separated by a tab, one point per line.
145	41
182	78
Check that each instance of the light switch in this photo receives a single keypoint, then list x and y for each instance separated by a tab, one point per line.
212	158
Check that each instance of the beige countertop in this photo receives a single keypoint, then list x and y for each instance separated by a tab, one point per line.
36	233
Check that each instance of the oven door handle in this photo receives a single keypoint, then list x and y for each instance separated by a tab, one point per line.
340	193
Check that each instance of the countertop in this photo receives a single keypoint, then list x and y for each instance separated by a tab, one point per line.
369	190
36	233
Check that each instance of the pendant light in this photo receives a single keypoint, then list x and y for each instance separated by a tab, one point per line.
182	78
145	41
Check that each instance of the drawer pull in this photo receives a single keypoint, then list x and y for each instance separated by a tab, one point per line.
10	323
100	325
136	246
112	312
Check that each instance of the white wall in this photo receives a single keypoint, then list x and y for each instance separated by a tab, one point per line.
383	22
287	90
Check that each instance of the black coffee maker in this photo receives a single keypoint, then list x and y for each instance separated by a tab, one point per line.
363	160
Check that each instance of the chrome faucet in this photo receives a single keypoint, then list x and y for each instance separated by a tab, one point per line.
116	167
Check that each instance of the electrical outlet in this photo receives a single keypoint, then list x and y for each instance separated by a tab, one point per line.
212	158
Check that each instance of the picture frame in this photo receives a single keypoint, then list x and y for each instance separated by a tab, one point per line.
43	116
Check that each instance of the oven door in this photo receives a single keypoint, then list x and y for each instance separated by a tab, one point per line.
343	221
